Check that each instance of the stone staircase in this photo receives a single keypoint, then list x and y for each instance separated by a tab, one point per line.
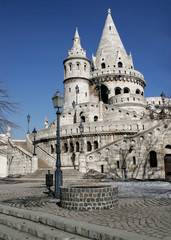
15	227
69	175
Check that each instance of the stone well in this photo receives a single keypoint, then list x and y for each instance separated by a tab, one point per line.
89	197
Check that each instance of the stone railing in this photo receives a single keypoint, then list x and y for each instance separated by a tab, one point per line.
125	72
41	153
21	162
46	157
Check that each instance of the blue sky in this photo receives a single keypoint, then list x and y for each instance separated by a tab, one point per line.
35	36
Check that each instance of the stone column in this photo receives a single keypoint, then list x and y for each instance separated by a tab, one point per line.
34	164
82	163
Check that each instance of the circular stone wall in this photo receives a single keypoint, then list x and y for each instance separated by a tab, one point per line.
89	197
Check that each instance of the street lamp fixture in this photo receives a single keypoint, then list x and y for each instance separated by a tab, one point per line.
163	100
34	141
28	120
58	101
81	127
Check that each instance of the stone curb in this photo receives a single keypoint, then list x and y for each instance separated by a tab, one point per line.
83	229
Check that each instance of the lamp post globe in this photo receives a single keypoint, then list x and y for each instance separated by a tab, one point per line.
58	101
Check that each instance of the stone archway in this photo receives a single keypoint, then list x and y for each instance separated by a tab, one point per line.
167	163
104	93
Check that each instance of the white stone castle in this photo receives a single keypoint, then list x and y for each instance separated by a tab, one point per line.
125	136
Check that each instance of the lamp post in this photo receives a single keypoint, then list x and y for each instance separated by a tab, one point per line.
34	141
81	127
28	120
163	100
58	103
77	92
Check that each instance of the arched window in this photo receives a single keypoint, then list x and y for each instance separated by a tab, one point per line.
120	64
126	90
153	159
89	147
95	145
117	91
71	147
77	147
82	118
65	147
52	149
85	66
95	118
78	66
137	91
70	66
103	65
134	160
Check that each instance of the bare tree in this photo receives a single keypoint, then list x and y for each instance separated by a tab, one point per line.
6	108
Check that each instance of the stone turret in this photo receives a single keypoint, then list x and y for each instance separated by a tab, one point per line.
111	52
76	73
121	84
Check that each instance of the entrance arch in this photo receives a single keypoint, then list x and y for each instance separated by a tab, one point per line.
104	93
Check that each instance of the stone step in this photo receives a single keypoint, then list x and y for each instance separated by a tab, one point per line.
27	229
67	174
14	234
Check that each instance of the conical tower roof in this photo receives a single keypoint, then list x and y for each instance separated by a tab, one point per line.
111	50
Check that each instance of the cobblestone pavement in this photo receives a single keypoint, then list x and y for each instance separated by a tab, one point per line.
144	207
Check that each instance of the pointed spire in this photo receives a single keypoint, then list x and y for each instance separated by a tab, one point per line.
76	49
76	33
110	42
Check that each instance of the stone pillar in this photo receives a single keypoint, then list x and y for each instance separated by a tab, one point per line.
4	166
34	164
82	163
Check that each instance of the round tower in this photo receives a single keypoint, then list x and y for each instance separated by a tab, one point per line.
121	84
76	75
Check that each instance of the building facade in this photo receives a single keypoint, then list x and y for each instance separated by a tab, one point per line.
125	135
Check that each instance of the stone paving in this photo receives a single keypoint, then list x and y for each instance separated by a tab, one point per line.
144	207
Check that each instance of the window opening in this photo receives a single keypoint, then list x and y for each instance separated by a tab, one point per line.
89	147
71	147
95	118
117	91
134	160
52	149
77	147
95	145
120	64
65	147
153	159
103	65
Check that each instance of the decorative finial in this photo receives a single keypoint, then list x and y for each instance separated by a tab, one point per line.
109	11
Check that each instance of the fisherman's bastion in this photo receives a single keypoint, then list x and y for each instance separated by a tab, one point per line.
124	134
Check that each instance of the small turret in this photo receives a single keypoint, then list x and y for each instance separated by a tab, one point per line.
76	72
